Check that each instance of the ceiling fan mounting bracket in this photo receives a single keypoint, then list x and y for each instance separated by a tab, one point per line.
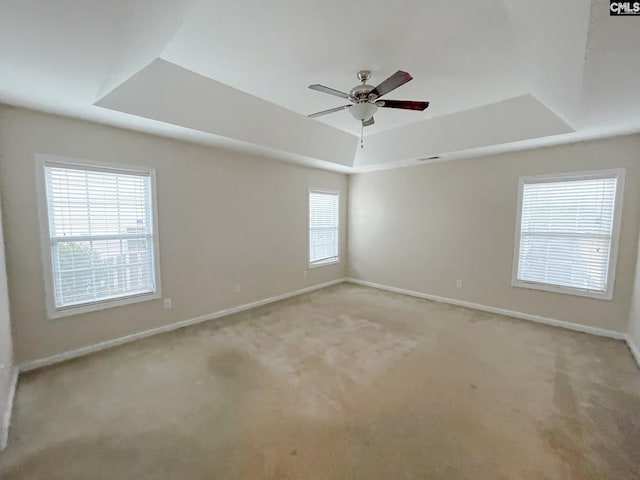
364	75
360	93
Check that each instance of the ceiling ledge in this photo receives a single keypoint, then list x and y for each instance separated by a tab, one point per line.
484	126
168	93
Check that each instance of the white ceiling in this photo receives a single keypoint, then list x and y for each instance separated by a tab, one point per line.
497	72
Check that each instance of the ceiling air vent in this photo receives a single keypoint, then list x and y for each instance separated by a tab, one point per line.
437	157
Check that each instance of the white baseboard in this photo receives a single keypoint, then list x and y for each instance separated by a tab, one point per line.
43	362
61	357
5	418
635	350
500	311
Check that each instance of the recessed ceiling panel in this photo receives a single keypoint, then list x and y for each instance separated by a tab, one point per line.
611	93
461	54
552	39
68	52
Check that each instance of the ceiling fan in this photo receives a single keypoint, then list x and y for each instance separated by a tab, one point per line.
365	98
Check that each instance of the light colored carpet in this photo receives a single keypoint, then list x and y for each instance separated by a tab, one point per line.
343	383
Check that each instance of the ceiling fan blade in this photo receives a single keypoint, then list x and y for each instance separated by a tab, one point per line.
404	104
325	112
369	122
330	91
394	81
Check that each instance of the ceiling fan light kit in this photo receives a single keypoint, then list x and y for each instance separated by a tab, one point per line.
363	111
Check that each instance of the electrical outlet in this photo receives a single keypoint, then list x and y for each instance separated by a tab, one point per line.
236	289
167	303
459	283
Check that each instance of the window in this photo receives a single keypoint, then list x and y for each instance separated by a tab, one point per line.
323	227
100	239
567	233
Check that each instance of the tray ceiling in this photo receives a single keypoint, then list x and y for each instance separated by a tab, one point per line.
235	74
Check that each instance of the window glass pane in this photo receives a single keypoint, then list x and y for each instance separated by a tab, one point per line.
323	227
566	232
100	225
85	202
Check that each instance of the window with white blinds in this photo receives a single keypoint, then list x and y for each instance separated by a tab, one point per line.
101	241
567	235
323	227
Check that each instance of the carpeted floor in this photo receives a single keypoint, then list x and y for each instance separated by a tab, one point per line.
343	383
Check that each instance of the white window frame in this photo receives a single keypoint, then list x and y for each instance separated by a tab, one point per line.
54	312
619	174
321	263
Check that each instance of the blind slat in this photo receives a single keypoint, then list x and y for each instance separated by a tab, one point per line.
566	232
101	233
323	227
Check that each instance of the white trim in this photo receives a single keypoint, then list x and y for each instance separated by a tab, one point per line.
61	312
61	357
324	263
546	287
54	312
5	419
635	350
324	190
619	175
601	332
581	175
94	165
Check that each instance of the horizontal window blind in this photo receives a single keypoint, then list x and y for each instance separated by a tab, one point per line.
566	232
101	234
323	227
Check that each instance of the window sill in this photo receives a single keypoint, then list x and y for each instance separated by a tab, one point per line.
102	305
324	263
608	295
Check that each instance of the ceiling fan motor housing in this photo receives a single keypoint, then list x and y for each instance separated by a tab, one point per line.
363	109
361	92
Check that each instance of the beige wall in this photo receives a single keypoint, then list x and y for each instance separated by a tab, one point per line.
228	219
634	311
422	228
224	219
6	351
